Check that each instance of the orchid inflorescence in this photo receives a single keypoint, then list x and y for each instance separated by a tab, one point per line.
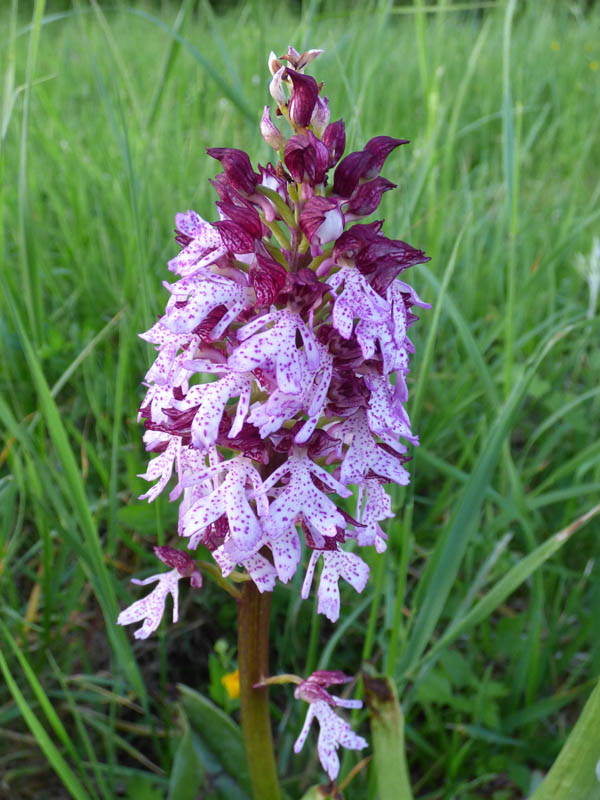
280	381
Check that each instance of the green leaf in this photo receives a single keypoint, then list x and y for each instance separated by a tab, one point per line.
387	731
187	775
574	774
219	735
142	788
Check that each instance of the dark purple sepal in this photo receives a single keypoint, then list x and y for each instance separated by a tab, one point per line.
385	263
221	186
216	533
245	216
158	447
203	330
350	519
367	197
347	394
321	157
182	238
350	170
267	278
248	440
235	238
300	158
347	353
380	147
334	138
305	91
303	290
325	677
307	158
353	240
319	444
237	166
317	542
313	214
180	561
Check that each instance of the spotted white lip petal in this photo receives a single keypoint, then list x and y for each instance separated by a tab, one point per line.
278	344
333	730
357	300
151	608
301	497
336	564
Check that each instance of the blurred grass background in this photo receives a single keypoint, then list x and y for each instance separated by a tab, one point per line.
107	110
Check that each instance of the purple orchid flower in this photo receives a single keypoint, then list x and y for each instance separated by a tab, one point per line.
150	609
334	731
280	376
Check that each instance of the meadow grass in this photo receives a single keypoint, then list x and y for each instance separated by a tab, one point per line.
485	623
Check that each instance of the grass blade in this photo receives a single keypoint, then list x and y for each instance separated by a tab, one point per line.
94	558
29	276
58	763
168	64
511	581
229	91
443	567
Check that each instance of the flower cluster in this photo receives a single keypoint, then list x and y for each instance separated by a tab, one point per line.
278	389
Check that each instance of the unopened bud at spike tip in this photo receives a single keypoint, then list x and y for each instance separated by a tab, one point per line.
270	132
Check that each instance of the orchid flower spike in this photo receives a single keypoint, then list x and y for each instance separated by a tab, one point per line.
282	357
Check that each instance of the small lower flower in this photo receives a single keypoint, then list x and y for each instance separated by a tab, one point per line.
334	731
150	609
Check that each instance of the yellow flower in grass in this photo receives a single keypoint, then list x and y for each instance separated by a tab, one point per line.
231	682
555	46
594	66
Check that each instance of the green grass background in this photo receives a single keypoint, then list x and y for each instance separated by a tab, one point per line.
107	111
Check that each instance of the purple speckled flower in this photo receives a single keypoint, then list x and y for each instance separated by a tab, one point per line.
278	388
150	609
334	731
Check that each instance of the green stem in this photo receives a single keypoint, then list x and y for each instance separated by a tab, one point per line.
253	661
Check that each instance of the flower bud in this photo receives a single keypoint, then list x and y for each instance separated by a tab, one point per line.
270	132
305	92
276	87
245	216
307	57
306	157
299	157
320	116
321	157
274	63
